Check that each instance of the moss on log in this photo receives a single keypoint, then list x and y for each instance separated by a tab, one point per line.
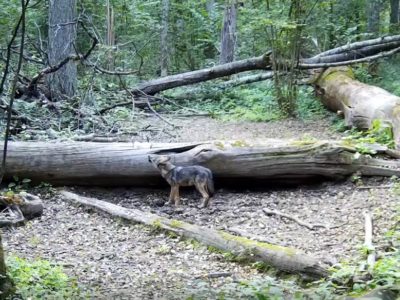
360	103
283	258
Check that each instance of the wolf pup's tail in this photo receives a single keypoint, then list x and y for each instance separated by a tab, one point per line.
210	185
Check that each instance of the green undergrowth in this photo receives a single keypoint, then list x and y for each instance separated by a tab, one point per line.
379	133
254	102
385	75
40	279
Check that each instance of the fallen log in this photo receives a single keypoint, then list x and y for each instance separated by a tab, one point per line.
365	51
360	103
283	258
264	162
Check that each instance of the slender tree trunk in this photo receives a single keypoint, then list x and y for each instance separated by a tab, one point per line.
373	15
110	37
394	15
164	38
62	35
6	286
210	6
228	33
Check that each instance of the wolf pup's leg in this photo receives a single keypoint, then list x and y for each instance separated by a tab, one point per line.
177	198
172	194
201	187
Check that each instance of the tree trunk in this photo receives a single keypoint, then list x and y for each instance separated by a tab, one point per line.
366	50
164	83
373	15
6	285
265	162
228	33
62	35
394	15
210	6
283	258
110	36
360	103
164	38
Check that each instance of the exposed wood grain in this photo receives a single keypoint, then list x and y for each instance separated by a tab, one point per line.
264	162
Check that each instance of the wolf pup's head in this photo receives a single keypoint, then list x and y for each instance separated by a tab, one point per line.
158	161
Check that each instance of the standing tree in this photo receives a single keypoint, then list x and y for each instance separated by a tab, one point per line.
285	41
110	35
62	35
164	38
394	14
373	15
228	33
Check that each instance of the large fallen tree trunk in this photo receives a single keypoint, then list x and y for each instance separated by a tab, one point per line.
283	258
353	53
360	103
268	161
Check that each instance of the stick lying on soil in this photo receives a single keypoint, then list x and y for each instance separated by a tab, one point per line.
368	240
293	218
283	258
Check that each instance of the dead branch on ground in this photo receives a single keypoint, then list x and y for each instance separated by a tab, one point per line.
368	240
297	220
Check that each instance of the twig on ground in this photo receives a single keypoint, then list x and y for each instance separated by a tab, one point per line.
101	139
215	275
368	240
293	218
367	187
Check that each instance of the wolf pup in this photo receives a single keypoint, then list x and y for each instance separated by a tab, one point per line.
178	176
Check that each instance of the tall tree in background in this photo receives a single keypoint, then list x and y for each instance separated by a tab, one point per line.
164	38
210	6
228	33
394	14
374	8
62	36
110	35
286	42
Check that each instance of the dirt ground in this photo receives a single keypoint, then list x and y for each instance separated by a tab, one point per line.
117	260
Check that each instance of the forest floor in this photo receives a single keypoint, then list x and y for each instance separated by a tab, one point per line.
114	259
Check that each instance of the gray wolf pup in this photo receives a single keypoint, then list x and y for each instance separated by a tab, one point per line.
177	176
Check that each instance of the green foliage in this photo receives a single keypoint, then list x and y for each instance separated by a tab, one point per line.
387	75
18	185
380	133
309	107
40	279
